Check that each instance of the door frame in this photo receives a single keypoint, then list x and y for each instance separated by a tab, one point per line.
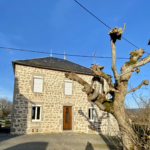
70	117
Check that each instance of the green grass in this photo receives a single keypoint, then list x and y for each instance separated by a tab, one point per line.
7	125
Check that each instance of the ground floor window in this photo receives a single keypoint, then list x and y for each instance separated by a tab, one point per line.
36	113
92	114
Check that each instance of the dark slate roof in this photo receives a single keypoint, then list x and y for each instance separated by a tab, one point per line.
54	63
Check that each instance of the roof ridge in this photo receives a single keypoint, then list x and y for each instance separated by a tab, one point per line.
31	58
54	58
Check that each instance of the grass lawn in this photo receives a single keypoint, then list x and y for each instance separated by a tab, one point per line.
5	123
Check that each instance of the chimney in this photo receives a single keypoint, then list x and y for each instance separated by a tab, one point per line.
51	53
64	56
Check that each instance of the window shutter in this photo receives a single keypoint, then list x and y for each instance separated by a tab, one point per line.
68	88
38	84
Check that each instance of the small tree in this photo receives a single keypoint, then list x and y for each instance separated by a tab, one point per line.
117	90
5	107
141	120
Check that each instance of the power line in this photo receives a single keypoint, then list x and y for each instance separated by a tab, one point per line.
76	55
105	23
93	15
130	42
59	53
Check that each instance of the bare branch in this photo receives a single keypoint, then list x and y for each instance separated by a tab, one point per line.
113	67
72	76
110	91
96	90
143	61
132	70
115	34
98	72
100	105
145	82
148	42
92	94
128	67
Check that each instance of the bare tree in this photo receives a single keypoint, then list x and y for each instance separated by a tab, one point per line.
1	114
5	107
117	90
141	119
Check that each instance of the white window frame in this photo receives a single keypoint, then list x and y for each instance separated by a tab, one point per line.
92	116
33	120
65	87
38	77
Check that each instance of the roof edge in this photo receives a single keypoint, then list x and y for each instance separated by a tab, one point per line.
14	63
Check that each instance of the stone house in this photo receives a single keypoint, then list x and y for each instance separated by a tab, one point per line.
45	101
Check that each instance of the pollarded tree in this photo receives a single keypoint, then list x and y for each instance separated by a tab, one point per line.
118	90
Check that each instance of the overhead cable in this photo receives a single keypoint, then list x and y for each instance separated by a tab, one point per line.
105	24
60	54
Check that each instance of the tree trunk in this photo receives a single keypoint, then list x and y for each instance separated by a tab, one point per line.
127	133
128	144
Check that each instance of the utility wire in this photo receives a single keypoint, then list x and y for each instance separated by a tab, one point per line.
59	53
105	23
93	15
76	55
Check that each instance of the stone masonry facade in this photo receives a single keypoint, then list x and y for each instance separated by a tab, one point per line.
52	100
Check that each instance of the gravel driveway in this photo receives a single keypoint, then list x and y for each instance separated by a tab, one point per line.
54	142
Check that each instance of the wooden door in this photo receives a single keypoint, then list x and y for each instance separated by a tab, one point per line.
67	118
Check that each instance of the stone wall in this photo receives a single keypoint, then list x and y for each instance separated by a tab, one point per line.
52	100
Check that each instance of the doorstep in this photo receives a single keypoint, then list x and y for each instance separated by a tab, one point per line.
68	132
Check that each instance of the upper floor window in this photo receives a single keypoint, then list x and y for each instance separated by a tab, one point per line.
68	87
36	112
38	84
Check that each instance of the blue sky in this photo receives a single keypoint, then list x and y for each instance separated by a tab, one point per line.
63	26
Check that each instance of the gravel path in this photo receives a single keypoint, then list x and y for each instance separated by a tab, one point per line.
53	142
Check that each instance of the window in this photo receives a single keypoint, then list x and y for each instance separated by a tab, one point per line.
92	114
37	84
68	87
36	113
